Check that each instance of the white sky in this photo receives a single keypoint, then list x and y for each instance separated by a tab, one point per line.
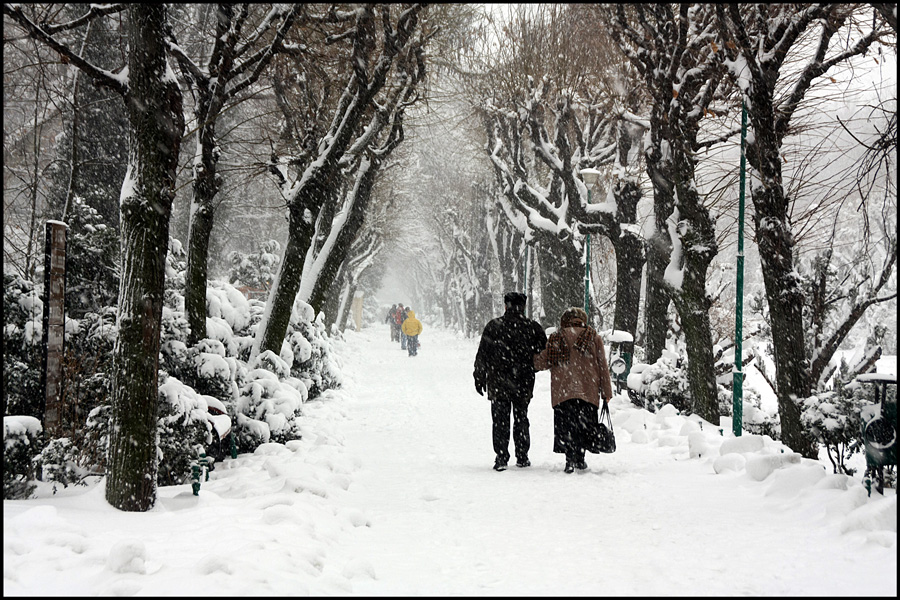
391	492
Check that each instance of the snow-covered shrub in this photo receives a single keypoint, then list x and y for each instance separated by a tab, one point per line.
21	445
666	382
268	408
87	367
92	261
315	360
94	444
229	312
22	326
214	371
176	267
257	269
757	421
61	461
182	424
833	418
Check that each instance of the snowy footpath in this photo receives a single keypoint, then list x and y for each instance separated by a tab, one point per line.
391	492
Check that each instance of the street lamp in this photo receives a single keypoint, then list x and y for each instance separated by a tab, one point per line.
590	177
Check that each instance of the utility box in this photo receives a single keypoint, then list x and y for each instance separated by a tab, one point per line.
620	355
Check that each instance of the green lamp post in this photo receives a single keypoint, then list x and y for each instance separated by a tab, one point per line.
738	372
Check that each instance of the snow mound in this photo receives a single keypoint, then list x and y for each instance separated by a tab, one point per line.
127	556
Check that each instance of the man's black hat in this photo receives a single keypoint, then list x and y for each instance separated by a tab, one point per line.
515	298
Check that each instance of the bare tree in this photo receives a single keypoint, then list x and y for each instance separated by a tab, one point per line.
154	106
372	59
757	39
548	115
30	105
673	48
241	50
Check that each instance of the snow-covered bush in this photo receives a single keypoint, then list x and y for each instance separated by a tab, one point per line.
665	382
21	445
268	409
176	266
833	418
182	425
755	420
214	370
315	361
22	326
257	269
270	393
92	261
87	367
61	461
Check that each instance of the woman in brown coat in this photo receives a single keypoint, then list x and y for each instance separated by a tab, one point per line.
579	377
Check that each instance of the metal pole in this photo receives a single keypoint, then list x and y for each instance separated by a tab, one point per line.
587	270
738	372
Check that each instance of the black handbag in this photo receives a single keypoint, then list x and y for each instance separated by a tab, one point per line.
606	438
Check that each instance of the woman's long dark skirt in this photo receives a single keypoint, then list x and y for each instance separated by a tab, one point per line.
575	428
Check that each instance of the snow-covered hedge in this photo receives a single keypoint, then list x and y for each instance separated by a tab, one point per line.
182	425
62	462
22	327
21	445
269	406
834	417
263	398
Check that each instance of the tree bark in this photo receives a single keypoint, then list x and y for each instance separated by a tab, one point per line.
659	247
284	289
630	259
153	103
356	209
562	280
205	188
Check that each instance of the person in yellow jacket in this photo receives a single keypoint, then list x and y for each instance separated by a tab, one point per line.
412	327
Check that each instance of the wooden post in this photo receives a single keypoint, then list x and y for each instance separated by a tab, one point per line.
357	309
54	323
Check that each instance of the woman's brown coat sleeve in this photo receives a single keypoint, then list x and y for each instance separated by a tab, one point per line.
605	381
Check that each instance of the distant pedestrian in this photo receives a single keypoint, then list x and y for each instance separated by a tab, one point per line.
504	367
412	327
391	320
579	378
401	316
398	321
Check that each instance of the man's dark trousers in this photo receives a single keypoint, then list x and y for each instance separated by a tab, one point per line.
501	406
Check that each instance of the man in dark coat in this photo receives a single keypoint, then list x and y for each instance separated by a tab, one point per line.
504	366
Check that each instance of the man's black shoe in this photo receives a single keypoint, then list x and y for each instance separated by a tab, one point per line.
523	462
499	465
570	468
581	465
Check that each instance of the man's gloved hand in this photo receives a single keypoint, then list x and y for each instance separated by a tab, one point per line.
479	387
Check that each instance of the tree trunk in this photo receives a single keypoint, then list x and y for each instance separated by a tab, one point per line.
344	312
693	308
205	188
343	234
657	298
562	280
284	288
698	241
785	300
783	292
630	260
155	113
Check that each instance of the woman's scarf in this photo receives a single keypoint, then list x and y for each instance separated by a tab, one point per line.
558	349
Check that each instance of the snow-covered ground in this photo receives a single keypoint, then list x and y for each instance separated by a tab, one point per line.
391	492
